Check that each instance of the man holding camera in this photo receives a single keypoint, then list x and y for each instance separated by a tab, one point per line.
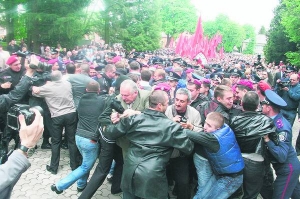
290	93
189	118
18	163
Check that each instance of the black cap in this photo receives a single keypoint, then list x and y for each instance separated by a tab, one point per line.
255	79
54	51
173	76
235	72
111	54
273	99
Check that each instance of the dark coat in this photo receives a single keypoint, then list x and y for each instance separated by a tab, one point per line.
151	145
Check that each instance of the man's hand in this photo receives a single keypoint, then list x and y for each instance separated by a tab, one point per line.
115	117
176	118
187	125
6	85
266	138
35	90
129	112
34	60
30	135
285	89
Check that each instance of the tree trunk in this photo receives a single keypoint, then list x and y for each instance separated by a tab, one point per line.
9	20
168	40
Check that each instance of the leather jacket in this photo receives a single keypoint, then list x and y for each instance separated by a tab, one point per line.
249	127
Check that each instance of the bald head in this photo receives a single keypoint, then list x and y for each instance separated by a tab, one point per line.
294	78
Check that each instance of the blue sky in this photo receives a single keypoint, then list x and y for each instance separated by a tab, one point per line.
255	12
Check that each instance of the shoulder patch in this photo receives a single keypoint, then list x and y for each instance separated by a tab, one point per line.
279	123
282	136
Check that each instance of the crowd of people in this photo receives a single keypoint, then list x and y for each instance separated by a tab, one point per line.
155	120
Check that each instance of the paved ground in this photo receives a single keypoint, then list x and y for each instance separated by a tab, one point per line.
36	181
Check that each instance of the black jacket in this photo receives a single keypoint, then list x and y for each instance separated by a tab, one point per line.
249	127
89	108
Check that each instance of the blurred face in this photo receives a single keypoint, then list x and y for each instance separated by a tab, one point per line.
112	73
16	66
265	109
181	103
234	79
172	83
203	89
294	79
156	76
128	96
239	94
194	92
92	72
55	66
209	126
227	99
264	75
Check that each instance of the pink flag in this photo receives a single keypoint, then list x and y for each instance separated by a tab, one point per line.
199	32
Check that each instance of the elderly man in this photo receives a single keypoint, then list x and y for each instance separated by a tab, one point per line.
151	145
291	95
189	118
135	100
63	114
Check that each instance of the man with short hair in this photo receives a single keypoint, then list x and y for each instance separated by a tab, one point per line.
249	126
222	103
107	78
291	95
189	118
63	114
150	149
79	82
131	98
196	97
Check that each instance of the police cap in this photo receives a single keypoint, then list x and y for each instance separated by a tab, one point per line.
273	99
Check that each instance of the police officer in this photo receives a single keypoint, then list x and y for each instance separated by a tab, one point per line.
282	154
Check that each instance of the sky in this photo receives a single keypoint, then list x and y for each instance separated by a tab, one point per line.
255	12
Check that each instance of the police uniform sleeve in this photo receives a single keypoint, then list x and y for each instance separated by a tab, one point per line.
280	151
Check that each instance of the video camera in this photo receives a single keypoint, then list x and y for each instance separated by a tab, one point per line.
115	104
14	112
283	84
43	66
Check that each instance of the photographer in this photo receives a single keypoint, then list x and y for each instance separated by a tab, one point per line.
290	93
18	163
189	118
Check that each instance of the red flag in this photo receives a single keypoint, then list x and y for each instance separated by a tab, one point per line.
199	32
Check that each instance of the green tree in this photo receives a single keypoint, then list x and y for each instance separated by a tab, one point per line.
233	33
135	24
277	40
177	18
262	30
251	37
291	24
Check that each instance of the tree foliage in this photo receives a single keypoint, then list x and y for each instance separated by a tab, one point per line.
277	40
262	30
177	18
251	38
291	24
233	33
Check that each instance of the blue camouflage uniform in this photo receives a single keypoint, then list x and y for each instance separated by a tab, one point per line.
282	154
